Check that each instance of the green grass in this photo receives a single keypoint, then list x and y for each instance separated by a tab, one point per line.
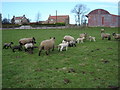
23	70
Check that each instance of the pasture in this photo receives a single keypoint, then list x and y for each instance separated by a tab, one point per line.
88	65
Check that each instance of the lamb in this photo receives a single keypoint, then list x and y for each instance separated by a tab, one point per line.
83	35
70	39
23	41
92	38
28	46
102	30
72	43
105	35
7	45
18	47
80	39
116	36
47	45
62	46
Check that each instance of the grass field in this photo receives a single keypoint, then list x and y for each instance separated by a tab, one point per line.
89	65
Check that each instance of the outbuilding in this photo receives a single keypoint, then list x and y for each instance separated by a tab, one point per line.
102	18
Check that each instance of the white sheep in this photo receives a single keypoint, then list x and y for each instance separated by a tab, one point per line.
23	41
62	46
80	39
105	35
70	39
92	38
47	45
83	35
28	46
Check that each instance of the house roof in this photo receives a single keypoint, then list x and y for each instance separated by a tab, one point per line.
60	16
17	18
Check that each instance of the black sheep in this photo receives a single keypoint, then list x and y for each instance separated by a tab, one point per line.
18	47
7	45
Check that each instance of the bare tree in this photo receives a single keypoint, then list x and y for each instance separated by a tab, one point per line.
79	10
38	17
0	20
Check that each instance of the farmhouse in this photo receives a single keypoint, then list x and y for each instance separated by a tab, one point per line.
103	18
20	20
57	19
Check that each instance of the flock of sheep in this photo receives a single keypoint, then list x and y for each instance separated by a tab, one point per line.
47	45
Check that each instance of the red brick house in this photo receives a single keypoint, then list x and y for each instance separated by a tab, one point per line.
103	18
57	19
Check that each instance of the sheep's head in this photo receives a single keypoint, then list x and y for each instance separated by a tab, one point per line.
11	43
33	38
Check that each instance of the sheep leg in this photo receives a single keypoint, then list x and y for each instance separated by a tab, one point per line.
58	48
61	48
13	50
53	48
81	41
74	44
66	48
26	50
46	52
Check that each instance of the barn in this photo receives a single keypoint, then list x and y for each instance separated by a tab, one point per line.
102	18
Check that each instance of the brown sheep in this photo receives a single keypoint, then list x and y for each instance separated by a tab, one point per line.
47	45
23	41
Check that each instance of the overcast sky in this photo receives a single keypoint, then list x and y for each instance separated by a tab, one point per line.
46	7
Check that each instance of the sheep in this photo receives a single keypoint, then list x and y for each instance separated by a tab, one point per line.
62	46
7	45
47	45
92	38
23	41
18	47
83	35
105	35
80	39
70	39
102	30
116	36
72	43
28	46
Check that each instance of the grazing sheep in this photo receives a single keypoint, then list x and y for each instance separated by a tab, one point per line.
62	46
18	47
68	38
105	35
47	45
83	35
92	38
23	41
80	39
71	40
116	36
7	45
